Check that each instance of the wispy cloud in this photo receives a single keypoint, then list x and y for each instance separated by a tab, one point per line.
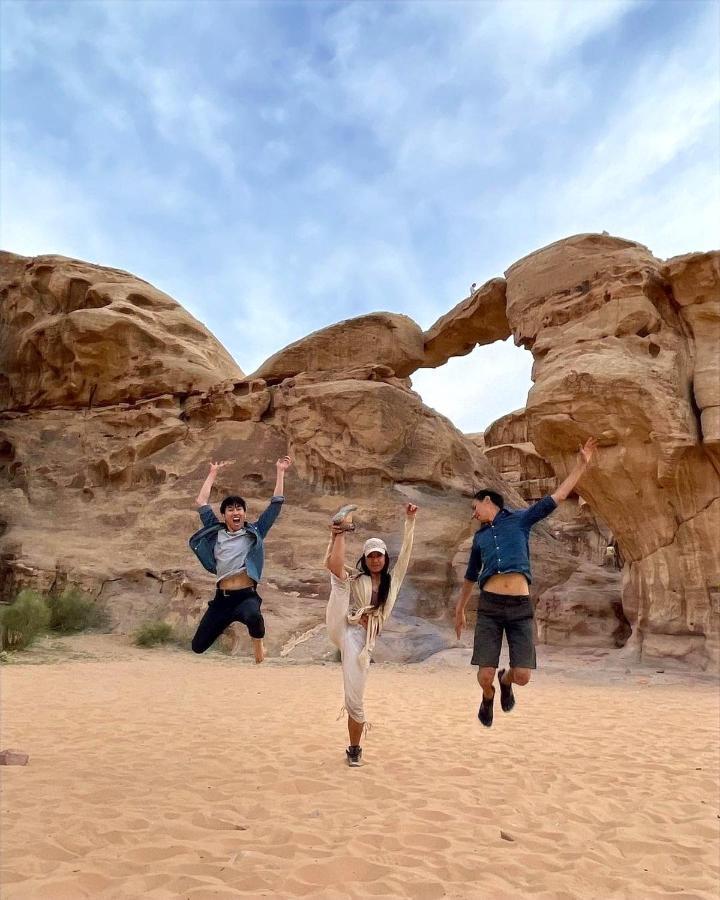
277	167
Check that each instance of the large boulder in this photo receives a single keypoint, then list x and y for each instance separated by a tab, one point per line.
392	342
76	334
616	357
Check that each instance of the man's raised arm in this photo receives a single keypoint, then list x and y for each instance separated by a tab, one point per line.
203	498
281	466
585	456
270	514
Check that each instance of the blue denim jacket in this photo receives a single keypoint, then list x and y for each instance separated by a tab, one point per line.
503	545
202	543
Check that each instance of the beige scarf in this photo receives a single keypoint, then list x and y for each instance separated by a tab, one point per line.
361	593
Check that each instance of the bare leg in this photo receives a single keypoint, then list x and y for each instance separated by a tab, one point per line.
258	649
517	676
355	730
485	677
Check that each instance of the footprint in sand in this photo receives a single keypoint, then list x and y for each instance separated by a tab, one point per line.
342	869
425	842
216	824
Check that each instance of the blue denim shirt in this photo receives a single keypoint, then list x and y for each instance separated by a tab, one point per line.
202	543
503	545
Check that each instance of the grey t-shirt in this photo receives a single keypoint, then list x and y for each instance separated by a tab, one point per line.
231	551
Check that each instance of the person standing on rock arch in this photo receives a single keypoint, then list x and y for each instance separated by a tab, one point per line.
360	603
232	549
500	565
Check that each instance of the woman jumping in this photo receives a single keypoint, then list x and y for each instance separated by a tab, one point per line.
360	603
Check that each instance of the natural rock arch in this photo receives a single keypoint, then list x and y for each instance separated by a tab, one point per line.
622	345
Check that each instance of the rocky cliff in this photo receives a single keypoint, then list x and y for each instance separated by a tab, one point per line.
625	348
114	398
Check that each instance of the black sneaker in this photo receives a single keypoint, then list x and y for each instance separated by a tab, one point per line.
485	713
353	755
507	698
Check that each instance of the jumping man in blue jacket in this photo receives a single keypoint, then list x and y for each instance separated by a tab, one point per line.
500	566
232	549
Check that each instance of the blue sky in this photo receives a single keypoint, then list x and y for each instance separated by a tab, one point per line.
279	166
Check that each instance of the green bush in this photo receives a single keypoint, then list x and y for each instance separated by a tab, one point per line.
73	611
24	620
151	633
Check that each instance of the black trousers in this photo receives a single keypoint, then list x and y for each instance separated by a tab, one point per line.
226	607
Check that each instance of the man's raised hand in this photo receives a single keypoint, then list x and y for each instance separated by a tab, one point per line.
410	510
220	464
283	464
586	452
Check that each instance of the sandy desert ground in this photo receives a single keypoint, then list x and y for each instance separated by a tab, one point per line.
156	773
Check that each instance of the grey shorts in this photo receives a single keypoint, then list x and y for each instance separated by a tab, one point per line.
513	615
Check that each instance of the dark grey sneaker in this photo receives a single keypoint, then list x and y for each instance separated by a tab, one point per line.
507	698
353	754
343	517
485	713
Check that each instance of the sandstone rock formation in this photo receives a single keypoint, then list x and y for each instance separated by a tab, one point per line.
615	357
114	399
511	452
75	334
625	347
99	469
694	279
383	344
479	319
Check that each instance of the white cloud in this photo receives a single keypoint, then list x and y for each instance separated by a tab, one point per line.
383	158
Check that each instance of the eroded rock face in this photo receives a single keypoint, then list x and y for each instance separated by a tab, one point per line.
612	332
514	456
75	334
695	283
103	498
101	458
585	611
392	342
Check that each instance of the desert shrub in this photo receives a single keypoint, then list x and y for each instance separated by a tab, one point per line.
23	620
151	633
72	611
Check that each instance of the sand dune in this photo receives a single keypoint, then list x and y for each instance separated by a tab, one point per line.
160	774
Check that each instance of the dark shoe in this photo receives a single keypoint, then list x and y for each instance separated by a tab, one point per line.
354	756
507	698
343	517
485	713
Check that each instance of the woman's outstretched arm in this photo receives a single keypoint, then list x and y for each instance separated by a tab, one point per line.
400	568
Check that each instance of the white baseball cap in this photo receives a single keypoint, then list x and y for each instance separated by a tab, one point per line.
374	545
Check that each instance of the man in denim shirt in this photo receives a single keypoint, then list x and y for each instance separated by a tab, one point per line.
232	549
500	564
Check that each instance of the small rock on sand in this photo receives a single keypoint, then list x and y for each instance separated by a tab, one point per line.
13	758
